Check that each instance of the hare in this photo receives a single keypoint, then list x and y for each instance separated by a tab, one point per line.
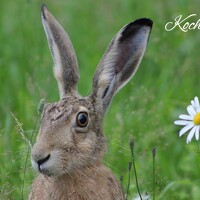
70	144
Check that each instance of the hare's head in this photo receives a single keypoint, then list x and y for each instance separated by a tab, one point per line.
70	136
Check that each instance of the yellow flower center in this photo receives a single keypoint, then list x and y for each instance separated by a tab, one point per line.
196	119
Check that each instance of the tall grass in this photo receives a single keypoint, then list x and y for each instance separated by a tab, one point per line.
145	109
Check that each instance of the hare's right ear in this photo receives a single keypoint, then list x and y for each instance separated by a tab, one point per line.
120	61
64	57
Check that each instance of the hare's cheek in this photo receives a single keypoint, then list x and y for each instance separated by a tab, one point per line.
57	163
79	137
87	143
79	133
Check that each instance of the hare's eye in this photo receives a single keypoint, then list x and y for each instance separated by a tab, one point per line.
82	119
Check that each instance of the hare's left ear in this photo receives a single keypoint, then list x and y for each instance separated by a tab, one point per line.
64	57
120	61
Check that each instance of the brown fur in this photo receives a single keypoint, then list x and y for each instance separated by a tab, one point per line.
79	173
68	153
93	183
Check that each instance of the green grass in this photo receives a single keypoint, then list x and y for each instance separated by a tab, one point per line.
145	109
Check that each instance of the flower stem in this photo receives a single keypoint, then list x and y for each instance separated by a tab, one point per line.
154	177
198	147
129	179
134	168
121	183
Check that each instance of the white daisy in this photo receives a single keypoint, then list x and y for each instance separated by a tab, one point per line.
190	122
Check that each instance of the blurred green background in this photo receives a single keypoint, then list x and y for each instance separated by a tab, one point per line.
168	78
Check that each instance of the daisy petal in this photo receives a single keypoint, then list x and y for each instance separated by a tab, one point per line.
193	103
191	110
182	122
196	100
197	133
186	128
191	134
186	117
197	106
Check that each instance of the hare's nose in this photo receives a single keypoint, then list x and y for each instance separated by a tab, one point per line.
43	160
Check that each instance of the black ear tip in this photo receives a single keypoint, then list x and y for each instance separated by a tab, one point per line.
43	7
131	28
143	22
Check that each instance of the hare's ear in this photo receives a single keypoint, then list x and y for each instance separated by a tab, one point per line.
64	57
120	61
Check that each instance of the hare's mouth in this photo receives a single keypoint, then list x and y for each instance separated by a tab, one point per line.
43	167
50	165
44	171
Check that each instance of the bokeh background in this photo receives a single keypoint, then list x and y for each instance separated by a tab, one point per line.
168	78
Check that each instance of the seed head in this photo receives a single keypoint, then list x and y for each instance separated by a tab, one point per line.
41	106
154	152
131	144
